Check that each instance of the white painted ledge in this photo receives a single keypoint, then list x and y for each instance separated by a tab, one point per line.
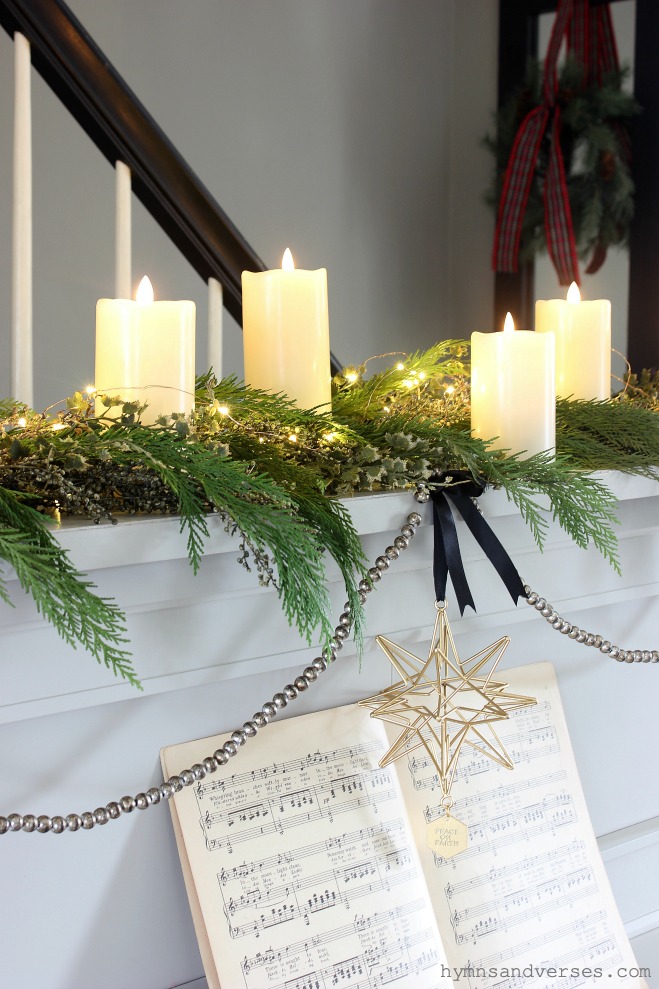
187	631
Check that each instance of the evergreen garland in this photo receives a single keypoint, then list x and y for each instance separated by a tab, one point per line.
60	592
267	468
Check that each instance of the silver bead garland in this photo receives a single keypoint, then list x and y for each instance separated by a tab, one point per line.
422	495
238	738
588	638
142	801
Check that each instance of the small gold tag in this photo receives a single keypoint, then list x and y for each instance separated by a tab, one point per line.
447	836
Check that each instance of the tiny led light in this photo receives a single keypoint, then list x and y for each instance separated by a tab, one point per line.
223	410
351	376
400	367
58	425
22	422
450	389
90	390
293	438
287	262
508	323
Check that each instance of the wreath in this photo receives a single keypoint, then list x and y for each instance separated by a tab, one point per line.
563	181
594	146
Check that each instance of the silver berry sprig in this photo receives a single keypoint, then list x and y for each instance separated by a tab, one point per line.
261	719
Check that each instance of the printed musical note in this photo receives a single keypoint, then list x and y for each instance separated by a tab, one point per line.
306	861
531	878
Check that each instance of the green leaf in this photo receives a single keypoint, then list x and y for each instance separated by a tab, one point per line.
61	593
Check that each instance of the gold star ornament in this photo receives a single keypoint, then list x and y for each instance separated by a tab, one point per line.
441	704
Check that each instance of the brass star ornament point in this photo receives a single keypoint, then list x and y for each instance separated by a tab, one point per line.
443	702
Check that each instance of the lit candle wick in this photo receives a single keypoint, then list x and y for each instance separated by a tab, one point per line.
573	294
144	294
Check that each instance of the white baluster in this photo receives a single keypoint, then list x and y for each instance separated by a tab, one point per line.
123	241
214	349
22	372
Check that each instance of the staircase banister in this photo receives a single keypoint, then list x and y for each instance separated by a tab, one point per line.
81	76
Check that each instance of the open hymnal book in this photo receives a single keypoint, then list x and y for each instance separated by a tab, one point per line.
306	864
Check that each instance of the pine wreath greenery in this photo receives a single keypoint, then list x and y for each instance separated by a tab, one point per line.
271	472
594	142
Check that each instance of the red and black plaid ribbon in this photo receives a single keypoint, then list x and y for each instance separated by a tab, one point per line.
590	38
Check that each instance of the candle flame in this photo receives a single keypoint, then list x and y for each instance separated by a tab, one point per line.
508	323
573	294
287	262
144	293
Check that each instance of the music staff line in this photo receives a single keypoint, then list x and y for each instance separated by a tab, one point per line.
544	938
574	959
480	842
318	902
311	804
360	923
393	833
496	923
432	813
345	972
517	757
513	870
483	797
312	760
541	899
363	872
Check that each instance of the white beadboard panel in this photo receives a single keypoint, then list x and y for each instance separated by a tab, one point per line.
108	907
631	855
646	949
186	629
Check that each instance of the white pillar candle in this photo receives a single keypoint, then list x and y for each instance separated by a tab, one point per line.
21	300
286	333
583	344
513	389
145	352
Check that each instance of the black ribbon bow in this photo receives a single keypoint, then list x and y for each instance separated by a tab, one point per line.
458	487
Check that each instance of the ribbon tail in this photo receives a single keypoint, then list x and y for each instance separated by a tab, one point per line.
489	543
447	558
516	188
558	215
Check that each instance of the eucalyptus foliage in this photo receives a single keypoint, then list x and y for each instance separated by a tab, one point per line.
271	471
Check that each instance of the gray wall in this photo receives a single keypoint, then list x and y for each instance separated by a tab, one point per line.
349	131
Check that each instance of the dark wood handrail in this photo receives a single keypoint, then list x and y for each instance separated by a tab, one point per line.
84	80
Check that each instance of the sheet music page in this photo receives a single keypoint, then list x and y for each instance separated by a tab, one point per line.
302	873
530	891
